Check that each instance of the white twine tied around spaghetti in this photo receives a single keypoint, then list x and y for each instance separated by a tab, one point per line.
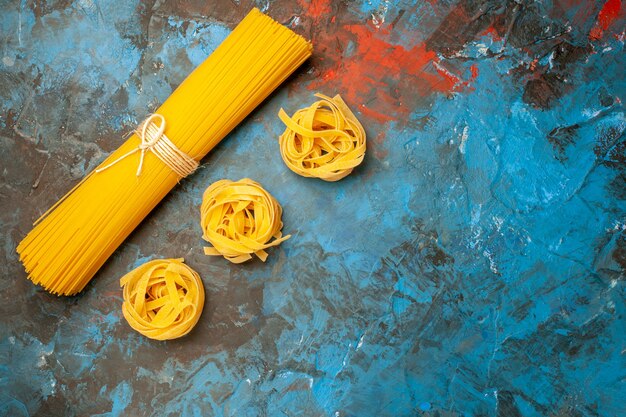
153	139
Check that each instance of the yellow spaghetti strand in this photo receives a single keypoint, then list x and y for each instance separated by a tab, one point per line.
163	299
73	239
324	140
239	218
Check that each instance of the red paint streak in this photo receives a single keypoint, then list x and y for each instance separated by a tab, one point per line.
381	79
380	59
452	79
373	114
608	14
459	83
474	71
317	9
493	32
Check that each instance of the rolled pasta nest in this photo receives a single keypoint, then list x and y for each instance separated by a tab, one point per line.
163	299
240	218
324	140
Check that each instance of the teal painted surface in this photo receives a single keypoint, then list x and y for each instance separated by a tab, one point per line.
473	265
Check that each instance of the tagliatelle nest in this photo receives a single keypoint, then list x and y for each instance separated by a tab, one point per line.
324	140
240	218
163	299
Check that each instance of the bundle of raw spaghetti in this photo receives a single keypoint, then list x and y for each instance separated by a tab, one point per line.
239	218
76	236
163	299
324	140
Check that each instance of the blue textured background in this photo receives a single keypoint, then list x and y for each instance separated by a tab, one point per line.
472	266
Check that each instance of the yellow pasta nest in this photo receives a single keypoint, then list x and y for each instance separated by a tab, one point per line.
324	140
163	299
239	218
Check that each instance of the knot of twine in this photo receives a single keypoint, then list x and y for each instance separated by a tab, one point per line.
240	218
324	140
153	139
